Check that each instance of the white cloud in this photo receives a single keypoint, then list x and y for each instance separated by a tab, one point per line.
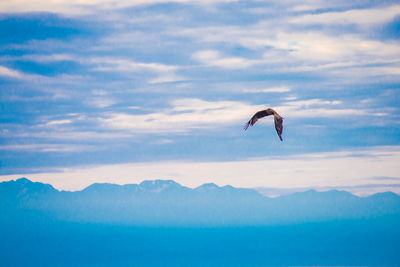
312	102
214	58
7	72
84	7
278	89
354	16
330	169
284	49
185	115
314	108
163	141
41	58
46	147
301	6
107	63
316	46
102	102
165	73
167	77
71	134
58	122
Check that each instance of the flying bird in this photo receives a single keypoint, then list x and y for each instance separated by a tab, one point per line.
269	111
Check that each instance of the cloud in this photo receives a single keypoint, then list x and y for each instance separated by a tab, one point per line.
285	49
278	89
7	72
163	141
46	147
108	63
166	73
81	7
183	116
214	58
102	102
317	108
41	58
71	135
331	169
386	179
354	16
36	82
313	102
58	122
313	46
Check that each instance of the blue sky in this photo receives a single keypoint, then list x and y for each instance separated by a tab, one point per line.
122	91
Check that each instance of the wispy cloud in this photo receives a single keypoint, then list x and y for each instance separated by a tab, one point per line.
214	58
165	73
184	115
317	108
354	16
318	46
66	135
279	89
41	58
62	148
58	122
7	72
386	179
102	102
79	7
285	49
188	114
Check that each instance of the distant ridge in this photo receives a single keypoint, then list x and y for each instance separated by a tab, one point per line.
165	202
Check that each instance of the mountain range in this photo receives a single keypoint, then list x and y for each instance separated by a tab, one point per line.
167	203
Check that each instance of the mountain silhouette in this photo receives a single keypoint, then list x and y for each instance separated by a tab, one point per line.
165	202
161	223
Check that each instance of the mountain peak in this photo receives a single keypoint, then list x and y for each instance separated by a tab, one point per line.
387	194
25	186
157	186
23	180
101	187
207	187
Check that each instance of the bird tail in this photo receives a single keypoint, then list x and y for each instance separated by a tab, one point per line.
247	125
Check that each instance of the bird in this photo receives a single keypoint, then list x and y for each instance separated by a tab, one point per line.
262	113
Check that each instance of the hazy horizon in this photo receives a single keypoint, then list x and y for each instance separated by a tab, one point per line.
162	223
360	191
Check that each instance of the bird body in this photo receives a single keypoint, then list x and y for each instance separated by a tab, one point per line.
263	113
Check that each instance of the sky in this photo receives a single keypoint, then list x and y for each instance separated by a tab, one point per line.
124	91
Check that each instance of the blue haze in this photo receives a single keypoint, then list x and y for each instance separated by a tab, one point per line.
162	223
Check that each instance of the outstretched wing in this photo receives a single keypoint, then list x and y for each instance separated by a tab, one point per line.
278	125
255	117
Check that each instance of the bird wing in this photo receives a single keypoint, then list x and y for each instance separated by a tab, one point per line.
255	117
278	125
